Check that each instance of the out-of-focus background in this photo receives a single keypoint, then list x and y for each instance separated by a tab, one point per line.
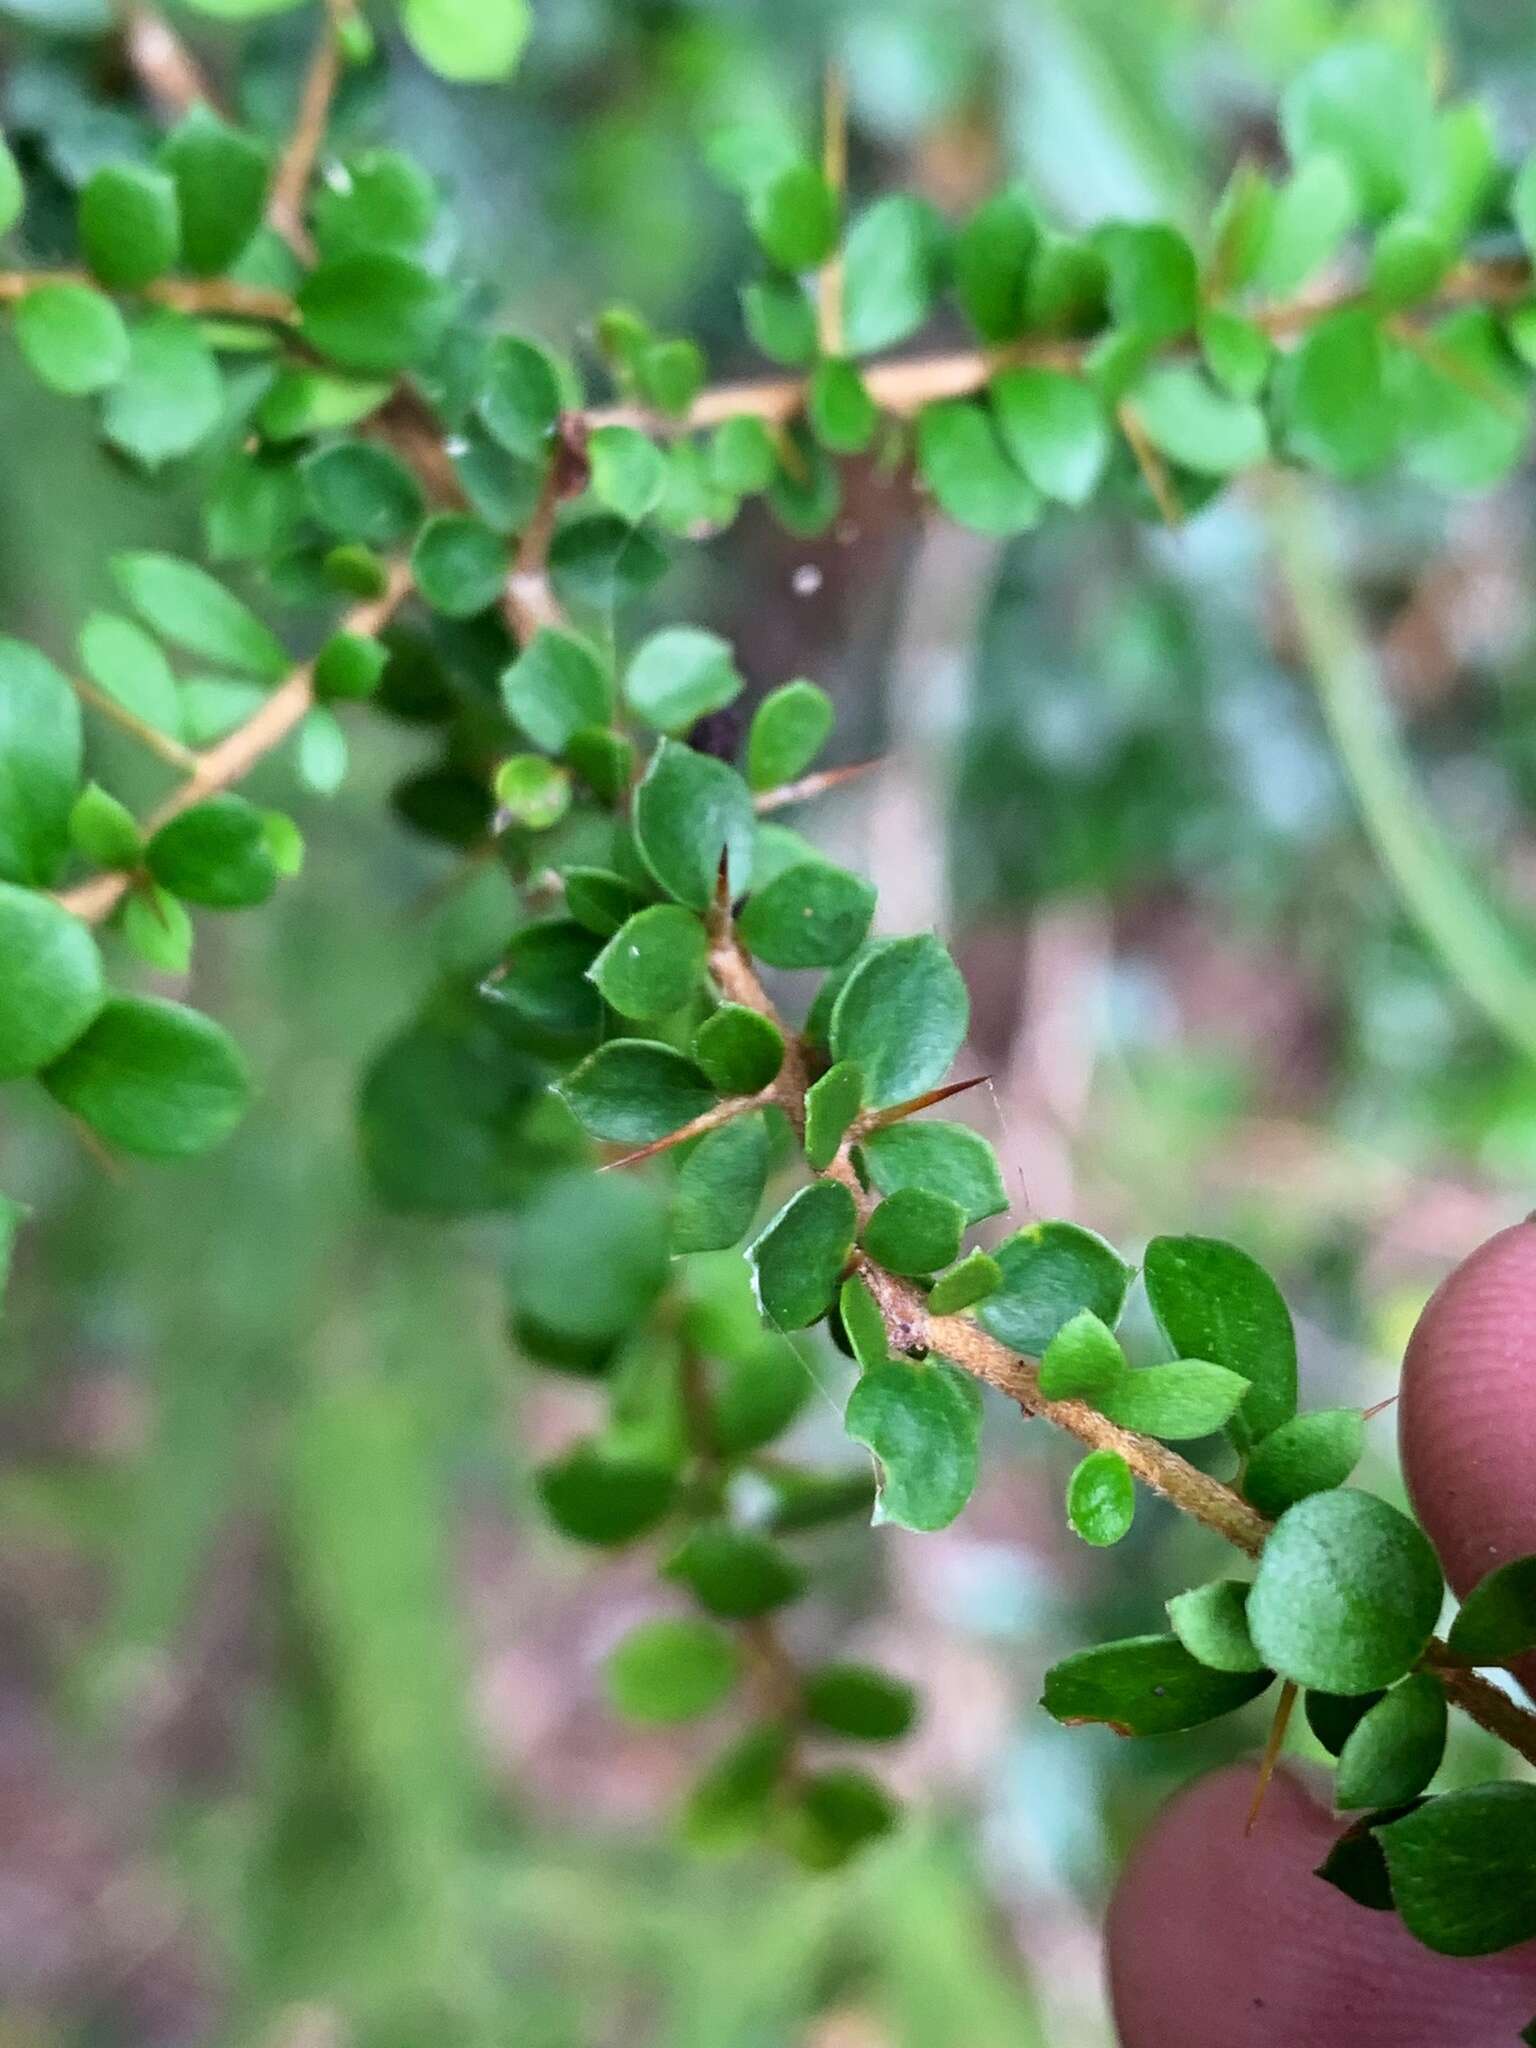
301	1740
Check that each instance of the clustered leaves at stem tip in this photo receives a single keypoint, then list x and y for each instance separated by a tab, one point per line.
446	494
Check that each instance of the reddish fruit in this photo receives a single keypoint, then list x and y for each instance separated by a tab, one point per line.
1467	1413
1217	1941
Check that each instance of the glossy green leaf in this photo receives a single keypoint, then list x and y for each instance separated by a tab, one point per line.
1463	1878
1197	426
965	465
891	266
781	320
220	176
654	964
1395	1748
976	1276
157	928
472	42
810	915
1154	285
832	1815
520	401
532	793
628	471
1083	1361
914	1231
1313	211
216	854
1497	1621
73	339
789	729
104	829
349	666
1145	1685
794	216
831	1104
1055	429
187	606
1465	416
600	901
378	199
1176	1402
549	1239
732	1803
170	398
863	1330
372	311
1215	1302
680	675
691	810
902	1015
1237	352
40	745
1333	1717
1212	1624
1101	1498
153	1078
950	1159
1409	258
1309	1454
595	1496
667	1671
720	1187
757	1395
1050	1272
858	1701
741	455
130	224
733	1573
545	976
1372	105
12	192
739	1049
631	1091
556	686
842	414
361	492
460	564
993	252
798	1259
671	375
1347	1593
51	973
922	1424
1333	397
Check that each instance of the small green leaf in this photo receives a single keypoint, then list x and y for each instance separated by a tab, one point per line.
794	216
372	311
781	321
13	197
51	973
902	1015
741	455
220	177
1408	261
130	225
600	901
1050	1272
40	747
170	398
789	729
863	1326
1312	212
1101	1499
1237	353
1239	226
532	792
557	686
1176	1402
73	339
671	375
1395	1749
1055	429
1212	1624
545	1244
951	1159
914	1232
1497	1621
964	464
1334	1718
1145	1685
361	492
1373	106
122	660
11	1217
1465	416
157	928
691	810
1347	1593
545	978
732	1802
104	830
720	1187
798	1259
521	399
186	605
858	1701
891	264
1213	1301
216	854
740	1050
1309	1454
757	1395
1083	1361
628	471
733	1573
1154	282
472	42
922	1423
842	414
667	1671
976	1276
993	252
654	964
1333	398
1463	1878
1196	425
603	759
831	1104
680	675
153	1078
460	565
378	200
349	666
833	1814
632	1092
595	1496
810	915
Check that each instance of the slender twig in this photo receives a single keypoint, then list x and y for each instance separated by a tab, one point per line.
809	786
290	185
147	735
219	298
233	758
1284	1708
166	69
724	1111
529	601
1151	464
877	1119
834	161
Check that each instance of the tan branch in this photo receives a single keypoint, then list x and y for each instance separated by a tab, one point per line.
809	786
220	767
147	735
290	185
170	75
218	298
